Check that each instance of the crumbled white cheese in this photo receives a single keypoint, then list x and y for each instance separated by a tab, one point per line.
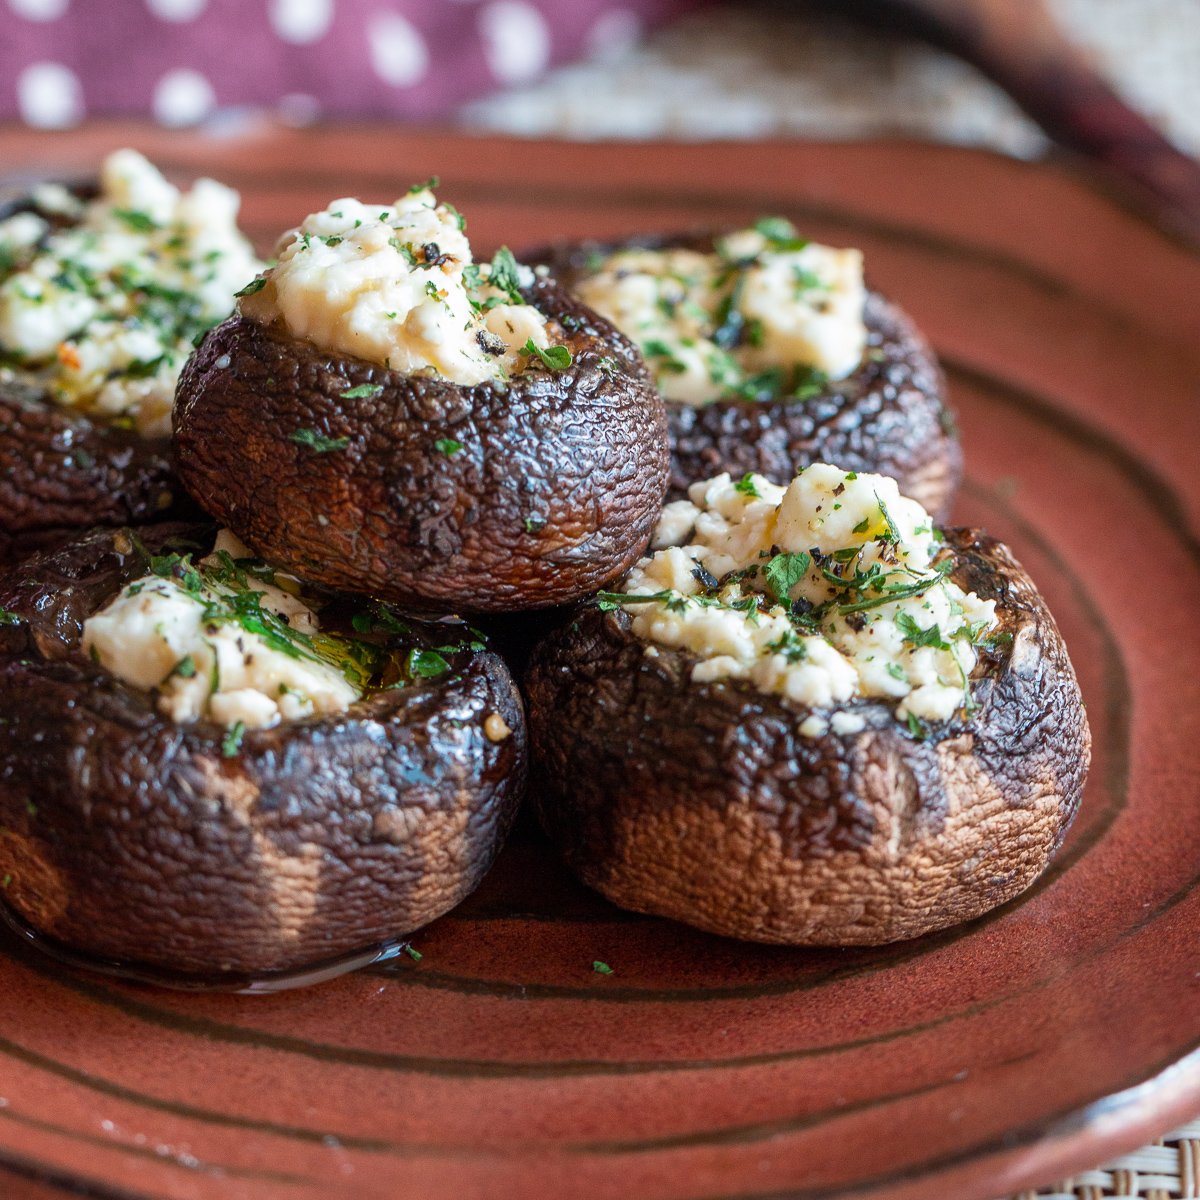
102	313
761	315
792	590
395	284
167	633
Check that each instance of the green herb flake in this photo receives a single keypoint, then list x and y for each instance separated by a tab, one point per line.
747	487
364	391
428	186
413	952
317	442
185	668
892	535
608	601
916	727
534	524
505	276
7	617
783	572
601	968
232	742
255	285
405	249
916	636
780	233
447	446
137	220
427	664
554	358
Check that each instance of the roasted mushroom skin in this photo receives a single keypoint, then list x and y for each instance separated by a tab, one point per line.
62	472
555	490
136	841
889	417
704	803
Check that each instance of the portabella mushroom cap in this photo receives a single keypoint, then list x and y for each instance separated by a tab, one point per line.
134	840
888	417
703	802
62	472
556	489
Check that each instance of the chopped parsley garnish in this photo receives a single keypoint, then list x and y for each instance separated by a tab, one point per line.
413	952
554	358
665	356
185	668
747	487
783	572
505	275
406	250
255	285
447	446
9	618
780	233
916	727
232	742
601	968
318	443
364	391
428	186
608	601
141	222
892	535
916	636
426	664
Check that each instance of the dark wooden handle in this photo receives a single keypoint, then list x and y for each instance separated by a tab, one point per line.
1020	46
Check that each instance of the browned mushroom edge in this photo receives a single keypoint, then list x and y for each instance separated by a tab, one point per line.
62	472
556	488
889	417
704	803
153	850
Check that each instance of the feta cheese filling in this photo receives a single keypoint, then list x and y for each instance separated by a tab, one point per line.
396	284
823	592
226	640
103	312
765	315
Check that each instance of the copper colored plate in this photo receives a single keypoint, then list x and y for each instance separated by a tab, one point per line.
1039	1040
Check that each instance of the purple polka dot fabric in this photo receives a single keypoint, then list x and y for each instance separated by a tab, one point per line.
180	60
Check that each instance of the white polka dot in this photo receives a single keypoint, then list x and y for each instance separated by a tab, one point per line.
39	10
177	10
398	51
301	21
183	97
298	109
49	96
516	42
614	32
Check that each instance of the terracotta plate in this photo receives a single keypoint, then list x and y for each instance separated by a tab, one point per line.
1038	1040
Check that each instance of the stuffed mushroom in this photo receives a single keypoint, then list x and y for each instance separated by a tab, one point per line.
102	292
387	416
772	354
209	775
811	718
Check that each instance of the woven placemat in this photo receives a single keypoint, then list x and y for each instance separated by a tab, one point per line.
1168	1169
772	68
